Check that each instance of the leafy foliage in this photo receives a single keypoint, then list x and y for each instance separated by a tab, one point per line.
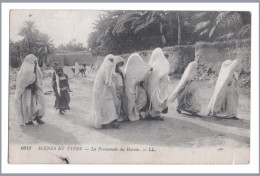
72	46
221	26
120	32
34	42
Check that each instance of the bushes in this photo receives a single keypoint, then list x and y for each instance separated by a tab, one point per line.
15	62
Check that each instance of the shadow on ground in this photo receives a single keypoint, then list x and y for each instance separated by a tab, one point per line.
239	123
56	135
170	132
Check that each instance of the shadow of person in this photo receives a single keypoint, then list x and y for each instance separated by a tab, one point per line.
232	122
239	123
76	120
50	134
170	132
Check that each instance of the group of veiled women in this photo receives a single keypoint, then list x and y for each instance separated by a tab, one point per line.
127	91
140	90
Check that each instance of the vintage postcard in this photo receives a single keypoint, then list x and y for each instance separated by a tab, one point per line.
129	87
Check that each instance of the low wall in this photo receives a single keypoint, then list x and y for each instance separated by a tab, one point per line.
69	59
212	55
209	55
179	58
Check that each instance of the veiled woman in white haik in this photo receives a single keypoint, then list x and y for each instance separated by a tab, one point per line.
104	112
186	91
224	101
29	101
157	84
136	72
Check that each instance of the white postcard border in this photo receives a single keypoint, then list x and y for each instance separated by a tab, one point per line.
254	120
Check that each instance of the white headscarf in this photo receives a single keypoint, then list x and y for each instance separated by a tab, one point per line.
226	73
189	74
158	81
26	72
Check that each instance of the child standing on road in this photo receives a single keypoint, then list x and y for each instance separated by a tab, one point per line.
61	89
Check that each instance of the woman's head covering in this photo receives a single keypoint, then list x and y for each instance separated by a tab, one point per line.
136	71
189	74
28	70
225	75
108	66
159	63
136	68
28	64
158	81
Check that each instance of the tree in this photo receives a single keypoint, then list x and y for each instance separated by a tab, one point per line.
118	32
29	32
220	26
42	48
72	46
14	54
35	42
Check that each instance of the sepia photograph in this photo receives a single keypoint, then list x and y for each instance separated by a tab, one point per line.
129	87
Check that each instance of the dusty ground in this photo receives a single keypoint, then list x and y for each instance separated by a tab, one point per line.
175	131
75	127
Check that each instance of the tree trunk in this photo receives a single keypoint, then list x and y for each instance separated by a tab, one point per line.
179	30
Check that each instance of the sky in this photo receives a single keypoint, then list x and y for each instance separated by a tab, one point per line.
61	25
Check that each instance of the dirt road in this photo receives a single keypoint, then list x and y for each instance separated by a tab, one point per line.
74	128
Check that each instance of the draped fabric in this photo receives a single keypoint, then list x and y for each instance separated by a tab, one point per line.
120	98
136	72
29	100
188	99
104	94
224	101
157	83
186	91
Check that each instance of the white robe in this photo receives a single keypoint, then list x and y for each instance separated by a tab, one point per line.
104	93
186	91
224	101
28	105
136	71
158	82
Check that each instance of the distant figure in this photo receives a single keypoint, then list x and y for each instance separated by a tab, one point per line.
224	101
61	89
103	111
73	70
29	101
83	71
76	69
186	91
54	66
